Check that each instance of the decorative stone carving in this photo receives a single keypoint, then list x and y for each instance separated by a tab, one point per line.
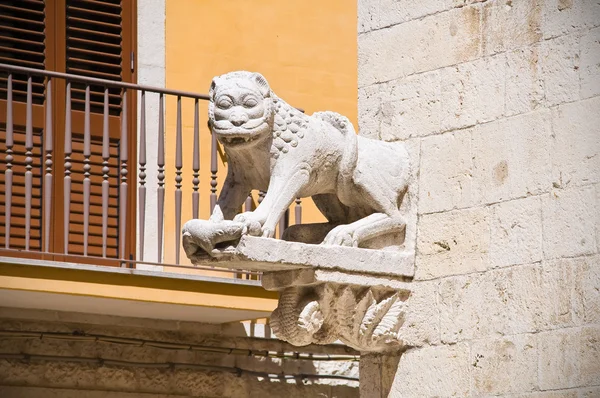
345	279
356	182
364	318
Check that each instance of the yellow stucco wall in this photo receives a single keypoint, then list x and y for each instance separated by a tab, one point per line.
306	50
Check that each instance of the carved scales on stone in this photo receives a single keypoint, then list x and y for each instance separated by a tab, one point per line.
351	286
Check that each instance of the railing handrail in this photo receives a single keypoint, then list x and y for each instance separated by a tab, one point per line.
101	82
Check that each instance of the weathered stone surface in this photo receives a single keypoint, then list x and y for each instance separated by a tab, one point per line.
421	317
590	280
510	25
590	63
512	158
524	80
576	143
445	247
521	299
439	371
569	358
445	177
369	110
569	219
560	67
450	37
473	92
561	293
564	16
393	12
410	107
255	253
505	365
516	232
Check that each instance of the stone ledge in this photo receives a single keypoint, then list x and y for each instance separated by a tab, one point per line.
265	254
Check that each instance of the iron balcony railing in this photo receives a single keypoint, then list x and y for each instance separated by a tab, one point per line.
97	198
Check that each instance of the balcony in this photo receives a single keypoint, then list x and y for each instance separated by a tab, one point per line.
98	175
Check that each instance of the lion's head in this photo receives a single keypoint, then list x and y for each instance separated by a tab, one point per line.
240	109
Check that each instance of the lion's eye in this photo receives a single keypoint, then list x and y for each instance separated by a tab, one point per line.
250	103
224	103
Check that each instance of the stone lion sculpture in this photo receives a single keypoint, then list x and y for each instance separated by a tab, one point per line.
356	182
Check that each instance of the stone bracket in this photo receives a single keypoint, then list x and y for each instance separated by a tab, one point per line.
328	293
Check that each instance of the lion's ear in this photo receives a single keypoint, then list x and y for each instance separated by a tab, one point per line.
262	84
211	91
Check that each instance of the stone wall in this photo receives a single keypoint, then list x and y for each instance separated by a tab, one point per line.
133	367
501	100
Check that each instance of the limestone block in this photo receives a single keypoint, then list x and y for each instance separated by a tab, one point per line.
569	358
560	68
410	107
591	288
524	80
549	394
590	392
522	299
473	92
438	371
393	12
505	365
563	294
576	143
569	222
446	247
421	319
516	232
512	158
266	254
369	110
449	38
445	177
564	16
367	14
510	25
590	63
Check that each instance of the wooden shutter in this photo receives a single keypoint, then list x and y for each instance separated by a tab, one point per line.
22	43
86	37
94	33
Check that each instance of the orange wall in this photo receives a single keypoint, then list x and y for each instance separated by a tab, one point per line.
306	50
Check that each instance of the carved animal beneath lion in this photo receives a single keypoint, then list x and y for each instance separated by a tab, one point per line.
357	183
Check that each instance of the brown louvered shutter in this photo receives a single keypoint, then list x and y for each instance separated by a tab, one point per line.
22	43
94	47
86	37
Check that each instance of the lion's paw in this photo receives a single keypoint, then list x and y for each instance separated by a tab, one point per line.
342	235
252	226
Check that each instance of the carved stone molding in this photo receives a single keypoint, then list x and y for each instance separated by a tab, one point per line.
366	318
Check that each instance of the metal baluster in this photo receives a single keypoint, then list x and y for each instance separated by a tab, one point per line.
123	187
161	175
178	179
248	203
87	151
8	173
214	168
68	165
284	222
105	171
298	211
142	188
196	161
28	162
48	147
